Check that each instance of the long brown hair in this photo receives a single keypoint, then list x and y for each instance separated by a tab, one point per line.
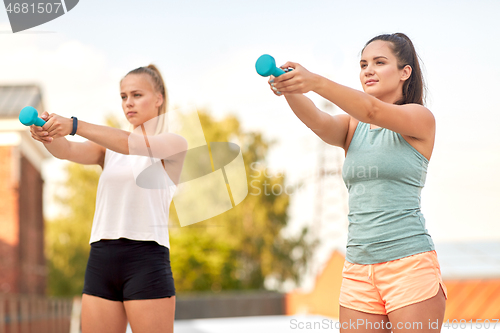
403	49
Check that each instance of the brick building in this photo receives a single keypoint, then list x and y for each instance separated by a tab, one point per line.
22	259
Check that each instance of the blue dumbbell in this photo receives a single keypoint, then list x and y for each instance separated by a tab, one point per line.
266	65
29	116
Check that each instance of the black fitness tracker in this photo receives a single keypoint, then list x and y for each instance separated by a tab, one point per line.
75	125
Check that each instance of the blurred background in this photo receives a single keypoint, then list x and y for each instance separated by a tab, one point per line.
280	251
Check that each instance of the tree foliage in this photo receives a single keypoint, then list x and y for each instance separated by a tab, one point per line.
67	236
236	250
242	247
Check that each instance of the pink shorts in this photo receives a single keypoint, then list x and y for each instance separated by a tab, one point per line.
387	286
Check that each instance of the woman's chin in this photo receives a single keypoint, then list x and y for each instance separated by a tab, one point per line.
371	92
374	92
134	124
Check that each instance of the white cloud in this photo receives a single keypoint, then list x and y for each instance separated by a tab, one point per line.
76	79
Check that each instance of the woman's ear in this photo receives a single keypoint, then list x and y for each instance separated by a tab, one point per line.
406	73
159	100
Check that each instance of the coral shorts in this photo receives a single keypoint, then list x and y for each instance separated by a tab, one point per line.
387	286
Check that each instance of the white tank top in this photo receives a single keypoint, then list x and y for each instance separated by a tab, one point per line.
124	209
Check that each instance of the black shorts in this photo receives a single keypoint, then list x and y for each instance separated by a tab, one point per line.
124	269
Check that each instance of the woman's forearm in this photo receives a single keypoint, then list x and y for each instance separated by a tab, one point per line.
356	103
163	146
111	138
305	110
299	81
58	148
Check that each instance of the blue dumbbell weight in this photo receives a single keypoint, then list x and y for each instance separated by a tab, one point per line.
29	116
266	65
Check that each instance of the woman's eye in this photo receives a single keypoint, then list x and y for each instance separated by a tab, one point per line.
122	97
363	66
137	95
380	62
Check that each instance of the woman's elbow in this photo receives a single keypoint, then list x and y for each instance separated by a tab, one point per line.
183	143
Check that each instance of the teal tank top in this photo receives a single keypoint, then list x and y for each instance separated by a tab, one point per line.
384	176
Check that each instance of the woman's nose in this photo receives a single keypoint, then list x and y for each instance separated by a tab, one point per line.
368	70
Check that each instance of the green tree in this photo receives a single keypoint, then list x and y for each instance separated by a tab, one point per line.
233	251
67	236
241	247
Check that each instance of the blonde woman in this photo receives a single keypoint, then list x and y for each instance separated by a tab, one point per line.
128	275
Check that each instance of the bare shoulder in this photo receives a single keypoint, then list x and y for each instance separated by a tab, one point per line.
175	144
422	113
412	120
426	129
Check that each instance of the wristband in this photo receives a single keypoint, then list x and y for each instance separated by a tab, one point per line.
75	125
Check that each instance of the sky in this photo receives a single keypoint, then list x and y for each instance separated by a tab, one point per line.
206	51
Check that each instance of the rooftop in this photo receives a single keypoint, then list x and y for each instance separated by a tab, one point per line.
469	260
15	97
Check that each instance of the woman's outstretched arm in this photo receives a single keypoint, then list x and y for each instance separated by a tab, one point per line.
410	119
164	146
79	152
